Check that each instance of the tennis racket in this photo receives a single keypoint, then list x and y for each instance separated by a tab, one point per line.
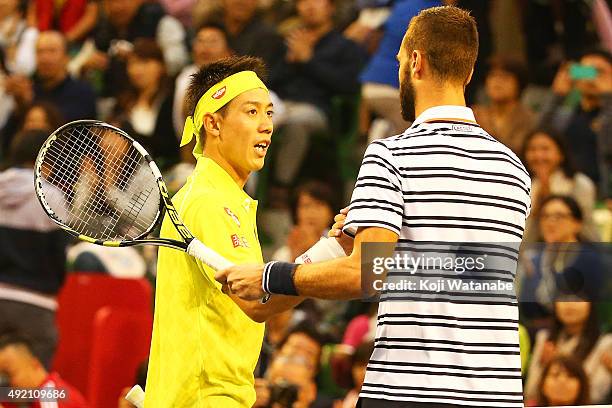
101	186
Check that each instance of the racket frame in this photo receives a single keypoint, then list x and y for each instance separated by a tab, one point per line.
164	204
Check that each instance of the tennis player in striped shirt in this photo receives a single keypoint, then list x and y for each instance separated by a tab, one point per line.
443	180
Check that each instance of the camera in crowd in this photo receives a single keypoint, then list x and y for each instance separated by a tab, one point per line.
283	393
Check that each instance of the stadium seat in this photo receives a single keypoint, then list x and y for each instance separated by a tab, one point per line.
79	300
121	341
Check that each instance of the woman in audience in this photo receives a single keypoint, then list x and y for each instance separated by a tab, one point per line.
563	382
144	109
575	333
549	164
563	259
312	209
42	115
505	117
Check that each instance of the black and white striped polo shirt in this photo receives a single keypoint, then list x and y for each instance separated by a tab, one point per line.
444	180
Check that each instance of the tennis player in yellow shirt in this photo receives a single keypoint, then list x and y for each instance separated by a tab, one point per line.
206	342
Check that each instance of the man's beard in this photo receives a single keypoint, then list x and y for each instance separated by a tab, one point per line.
407	98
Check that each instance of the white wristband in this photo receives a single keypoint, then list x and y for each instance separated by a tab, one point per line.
324	250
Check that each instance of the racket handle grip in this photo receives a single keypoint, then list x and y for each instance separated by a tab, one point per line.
209	257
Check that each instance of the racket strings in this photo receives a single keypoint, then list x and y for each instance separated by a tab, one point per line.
98	184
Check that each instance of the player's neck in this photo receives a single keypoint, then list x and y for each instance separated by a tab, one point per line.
438	96
239	178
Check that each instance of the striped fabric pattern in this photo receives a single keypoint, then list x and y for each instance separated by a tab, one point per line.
445	180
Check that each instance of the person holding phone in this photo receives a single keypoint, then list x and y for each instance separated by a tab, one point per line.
586	128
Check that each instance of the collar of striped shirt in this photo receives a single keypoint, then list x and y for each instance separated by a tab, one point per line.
454	113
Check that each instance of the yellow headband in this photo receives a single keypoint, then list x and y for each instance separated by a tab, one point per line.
213	100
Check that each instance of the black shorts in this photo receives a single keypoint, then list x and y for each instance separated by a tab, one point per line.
381	403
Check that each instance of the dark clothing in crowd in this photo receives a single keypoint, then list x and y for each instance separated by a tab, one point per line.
74	99
587	136
333	69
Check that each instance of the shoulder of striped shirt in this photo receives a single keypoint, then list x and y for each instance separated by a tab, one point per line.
442	128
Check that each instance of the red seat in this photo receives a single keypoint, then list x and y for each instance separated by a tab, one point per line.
80	299
121	342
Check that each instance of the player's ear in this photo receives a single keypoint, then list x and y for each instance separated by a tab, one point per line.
416	64
212	124
469	78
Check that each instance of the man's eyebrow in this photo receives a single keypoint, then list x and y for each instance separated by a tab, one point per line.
270	105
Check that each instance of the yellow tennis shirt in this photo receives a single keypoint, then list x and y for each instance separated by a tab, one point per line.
204	348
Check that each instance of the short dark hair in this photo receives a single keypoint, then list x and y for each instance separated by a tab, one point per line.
512	65
569	202
15	338
212	25
217	71
319	191
448	36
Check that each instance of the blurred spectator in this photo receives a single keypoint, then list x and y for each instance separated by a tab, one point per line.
563	382
73	18
24	370
312	209
380	90
555	30
293	371
575	333
119	25
359	360
179	9
32	252
290	385
552	172
586	127
42	116
247	31
39	116
561	264
361	328
505	118
17	39
319	64
277	328
52	83
209	45
144	107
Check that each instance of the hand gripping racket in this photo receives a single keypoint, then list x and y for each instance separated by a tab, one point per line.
100	185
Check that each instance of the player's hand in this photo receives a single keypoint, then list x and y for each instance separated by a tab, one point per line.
336	231
243	281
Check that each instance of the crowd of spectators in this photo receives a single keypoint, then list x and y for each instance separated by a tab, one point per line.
542	87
